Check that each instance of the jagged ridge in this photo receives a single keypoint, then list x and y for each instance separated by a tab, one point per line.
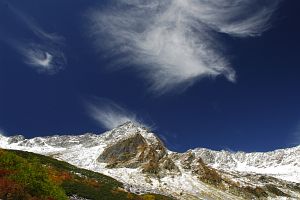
137	157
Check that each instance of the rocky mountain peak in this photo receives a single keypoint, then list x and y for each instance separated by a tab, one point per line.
138	150
15	139
136	156
129	129
124	153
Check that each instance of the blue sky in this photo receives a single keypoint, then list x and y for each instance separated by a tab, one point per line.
221	76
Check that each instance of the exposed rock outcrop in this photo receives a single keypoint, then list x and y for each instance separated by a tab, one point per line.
138	158
138	152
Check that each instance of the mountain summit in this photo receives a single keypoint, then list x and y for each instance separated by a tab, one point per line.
135	156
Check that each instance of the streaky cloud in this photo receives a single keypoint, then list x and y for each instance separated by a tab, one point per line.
242	18
174	43
109	114
45	52
296	135
33	26
42	58
2	132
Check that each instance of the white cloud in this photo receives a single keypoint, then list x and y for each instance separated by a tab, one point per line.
296	136
44	53
42	58
2	133
33	26
174	43
108	114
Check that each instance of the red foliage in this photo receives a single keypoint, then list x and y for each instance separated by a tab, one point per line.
10	189
59	177
65	176
5	172
92	183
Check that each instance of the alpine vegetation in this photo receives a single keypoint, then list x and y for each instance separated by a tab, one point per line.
142	164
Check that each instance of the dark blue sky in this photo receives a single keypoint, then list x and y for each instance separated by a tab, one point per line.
260	111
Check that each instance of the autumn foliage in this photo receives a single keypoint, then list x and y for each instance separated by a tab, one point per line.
28	176
21	179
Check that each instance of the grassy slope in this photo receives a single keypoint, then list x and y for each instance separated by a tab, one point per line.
25	175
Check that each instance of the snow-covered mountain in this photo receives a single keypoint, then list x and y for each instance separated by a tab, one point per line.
137	157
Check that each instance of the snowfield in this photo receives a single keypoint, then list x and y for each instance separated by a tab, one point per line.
83	151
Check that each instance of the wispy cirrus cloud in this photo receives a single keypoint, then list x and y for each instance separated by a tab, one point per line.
43	58
44	51
2	133
296	135
174	43
109	114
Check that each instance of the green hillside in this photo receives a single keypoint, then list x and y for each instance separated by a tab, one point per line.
29	176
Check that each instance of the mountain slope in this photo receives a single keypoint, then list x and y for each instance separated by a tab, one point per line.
138	158
25	175
282	163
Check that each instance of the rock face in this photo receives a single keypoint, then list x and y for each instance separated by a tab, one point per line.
138	152
127	153
137	157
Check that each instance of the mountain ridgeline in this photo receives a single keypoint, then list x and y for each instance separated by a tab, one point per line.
140	166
